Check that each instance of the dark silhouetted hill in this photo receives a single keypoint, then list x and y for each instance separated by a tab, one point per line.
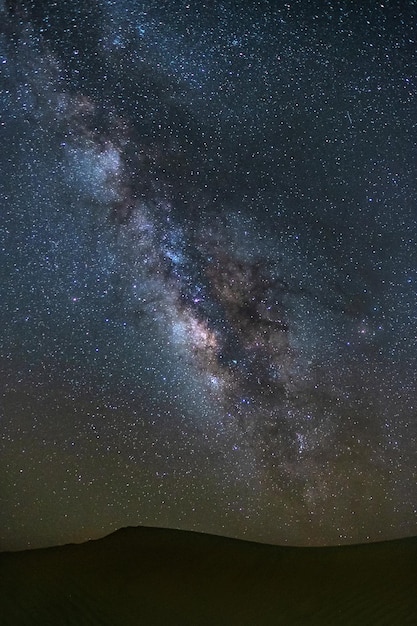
158	577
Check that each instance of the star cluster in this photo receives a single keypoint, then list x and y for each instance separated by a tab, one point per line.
209	271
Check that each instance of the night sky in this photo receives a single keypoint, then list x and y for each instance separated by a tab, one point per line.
208	269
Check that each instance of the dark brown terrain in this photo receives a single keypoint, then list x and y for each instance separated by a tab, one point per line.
157	577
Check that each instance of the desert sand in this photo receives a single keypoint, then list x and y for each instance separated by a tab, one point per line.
159	577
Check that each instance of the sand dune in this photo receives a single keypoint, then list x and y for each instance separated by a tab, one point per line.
157	577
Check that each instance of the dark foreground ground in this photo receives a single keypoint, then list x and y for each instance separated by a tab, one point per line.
156	577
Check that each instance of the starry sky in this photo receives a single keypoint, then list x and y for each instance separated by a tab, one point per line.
208	269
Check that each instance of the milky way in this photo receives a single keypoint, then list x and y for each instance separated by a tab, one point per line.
209	269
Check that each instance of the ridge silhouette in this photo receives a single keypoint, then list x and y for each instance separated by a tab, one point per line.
154	577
